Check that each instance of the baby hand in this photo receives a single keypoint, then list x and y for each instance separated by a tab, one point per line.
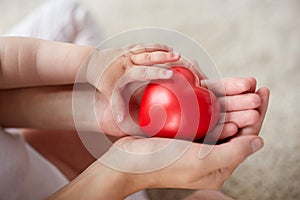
111	70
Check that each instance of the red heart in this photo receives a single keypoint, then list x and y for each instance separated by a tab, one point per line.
178	108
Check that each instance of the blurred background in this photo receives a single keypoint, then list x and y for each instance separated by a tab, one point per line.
259	38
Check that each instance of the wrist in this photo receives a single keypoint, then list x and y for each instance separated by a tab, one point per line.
116	184
88	106
96	182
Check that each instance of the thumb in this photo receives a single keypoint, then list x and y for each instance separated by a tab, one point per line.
242	147
232	153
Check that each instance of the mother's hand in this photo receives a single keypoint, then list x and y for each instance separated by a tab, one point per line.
189	170
243	108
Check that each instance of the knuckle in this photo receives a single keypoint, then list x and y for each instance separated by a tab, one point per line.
148	56
255	100
228	102
159	72
253	116
245	84
230	129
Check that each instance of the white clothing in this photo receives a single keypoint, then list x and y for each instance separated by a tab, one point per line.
24	173
65	21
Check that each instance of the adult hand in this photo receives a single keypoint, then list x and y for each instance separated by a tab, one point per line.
210	171
188	171
243	108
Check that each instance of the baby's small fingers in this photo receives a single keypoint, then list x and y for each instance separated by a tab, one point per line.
242	118
240	102
144	73
157	57
190	64
148	47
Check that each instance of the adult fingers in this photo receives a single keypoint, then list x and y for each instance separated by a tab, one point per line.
232	153
221	160
264	94
229	86
231	123
253	83
220	132
240	102
242	118
157	57
148	47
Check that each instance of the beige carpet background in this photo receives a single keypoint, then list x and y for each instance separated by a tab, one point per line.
259	38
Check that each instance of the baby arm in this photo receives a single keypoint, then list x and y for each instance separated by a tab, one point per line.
33	62
28	62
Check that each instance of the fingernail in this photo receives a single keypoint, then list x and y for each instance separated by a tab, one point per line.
176	55
119	118
169	73
257	144
166	73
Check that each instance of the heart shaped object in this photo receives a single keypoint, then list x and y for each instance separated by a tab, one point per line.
178	107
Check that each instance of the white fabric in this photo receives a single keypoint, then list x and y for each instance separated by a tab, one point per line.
24	173
60	20
141	195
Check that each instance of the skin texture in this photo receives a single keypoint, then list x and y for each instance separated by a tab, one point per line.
197	180
27	62
47	67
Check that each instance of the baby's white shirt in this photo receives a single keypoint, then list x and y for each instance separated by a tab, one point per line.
24	173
